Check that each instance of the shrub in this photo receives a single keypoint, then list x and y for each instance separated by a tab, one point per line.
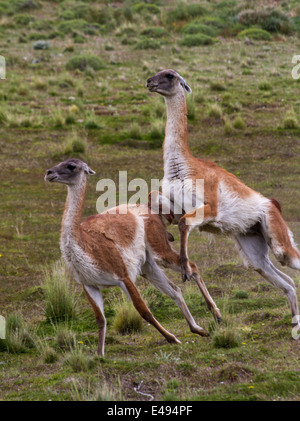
50	355
146	44
195	9
75	145
80	62
78	361
271	20
146	8
65	339
23	19
77	9
57	117
18	337
255	33
238	123
157	130
198	28
42	25
154	32
215	111
3	117
59	297
241	295
81	25
178	14
228	126
265	86
37	36
27	4
91	121
104	393
127	319
214	21
217	86
191	107
195	40
226	337
296	23
290	120
135	131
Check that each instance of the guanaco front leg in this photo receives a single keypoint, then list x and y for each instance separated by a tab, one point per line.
186	223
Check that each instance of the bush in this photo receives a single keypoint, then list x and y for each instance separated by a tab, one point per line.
18	337
195	40
78	361
81	25
135	131
146	44
241	295
178	14
195	9
215	21
127	319
154	32
238	123
57	118
75	145
271	20
290	120
81	62
217	86
146	8
65	339
157	132
226	337
50	355
198	28
215	111
227	126
60	299
23	19
26	5
265	86
255	33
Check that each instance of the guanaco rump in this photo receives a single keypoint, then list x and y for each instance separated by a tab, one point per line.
225	205
110	249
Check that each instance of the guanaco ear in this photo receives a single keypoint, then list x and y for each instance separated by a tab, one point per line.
185	86
88	170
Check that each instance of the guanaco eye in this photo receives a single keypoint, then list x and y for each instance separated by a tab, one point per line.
169	76
71	167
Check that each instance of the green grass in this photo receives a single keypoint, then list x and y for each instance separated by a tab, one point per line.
58	103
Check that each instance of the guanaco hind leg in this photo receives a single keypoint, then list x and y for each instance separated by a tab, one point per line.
254	250
140	305
157	277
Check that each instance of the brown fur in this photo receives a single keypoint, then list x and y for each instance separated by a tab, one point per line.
277	204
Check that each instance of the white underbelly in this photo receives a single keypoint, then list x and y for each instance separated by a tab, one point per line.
237	214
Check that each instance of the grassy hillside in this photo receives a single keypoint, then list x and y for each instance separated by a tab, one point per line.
75	86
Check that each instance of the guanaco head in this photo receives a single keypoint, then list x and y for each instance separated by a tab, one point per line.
68	172
167	83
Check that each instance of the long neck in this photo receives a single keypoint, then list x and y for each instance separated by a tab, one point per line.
176	148
73	210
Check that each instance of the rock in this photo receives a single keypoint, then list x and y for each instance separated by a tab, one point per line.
41	45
